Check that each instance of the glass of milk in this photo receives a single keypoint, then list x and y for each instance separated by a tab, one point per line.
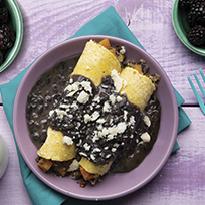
3	156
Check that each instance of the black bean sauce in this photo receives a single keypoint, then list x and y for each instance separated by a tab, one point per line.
50	104
87	134
132	158
44	97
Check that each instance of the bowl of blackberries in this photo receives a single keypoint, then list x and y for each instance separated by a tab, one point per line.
188	18
11	32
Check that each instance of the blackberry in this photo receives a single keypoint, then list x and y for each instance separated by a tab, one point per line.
196	36
200	1
196	16
1	57
185	4
1	3
7	37
4	15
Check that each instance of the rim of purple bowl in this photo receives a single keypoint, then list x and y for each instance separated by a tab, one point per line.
175	123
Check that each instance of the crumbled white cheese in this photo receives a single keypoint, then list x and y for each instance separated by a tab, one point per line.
101	121
111	132
72	87
99	127
119	98
71	80
104	86
87	86
73	166
87	118
118	81
108	156
122	50
64	106
107	107
74	105
69	87
70	116
121	127
92	157
76	86
95	116
147	121
103	132
86	146
96	99
116	145
96	150
110	137
71	93
125	115
60	113
142	142
113	99
114	149
131	156
132	120
83	97
51	113
67	140
82	154
79	143
145	137
95	137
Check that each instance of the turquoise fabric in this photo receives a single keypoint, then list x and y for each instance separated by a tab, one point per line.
107	23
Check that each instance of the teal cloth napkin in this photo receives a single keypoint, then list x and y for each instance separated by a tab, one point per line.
106	23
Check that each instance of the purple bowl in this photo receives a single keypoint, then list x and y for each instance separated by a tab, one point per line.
114	185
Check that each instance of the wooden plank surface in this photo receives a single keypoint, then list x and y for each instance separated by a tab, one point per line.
180	182
49	22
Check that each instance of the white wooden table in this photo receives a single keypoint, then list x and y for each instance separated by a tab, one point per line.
48	22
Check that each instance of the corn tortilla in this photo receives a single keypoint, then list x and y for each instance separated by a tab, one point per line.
96	62
91	168
138	88
54	149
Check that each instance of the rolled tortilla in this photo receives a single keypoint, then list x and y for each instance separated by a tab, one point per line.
93	168
54	148
138	87
96	62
